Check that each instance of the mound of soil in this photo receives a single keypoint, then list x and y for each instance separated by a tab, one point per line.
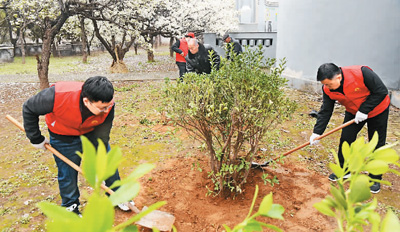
182	182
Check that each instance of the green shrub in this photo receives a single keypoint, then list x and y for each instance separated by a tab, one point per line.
350	207
230	110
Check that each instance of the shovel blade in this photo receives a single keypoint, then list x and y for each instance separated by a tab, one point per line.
163	221
260	165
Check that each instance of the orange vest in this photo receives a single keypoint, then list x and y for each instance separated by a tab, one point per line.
66	118
355	92
184	47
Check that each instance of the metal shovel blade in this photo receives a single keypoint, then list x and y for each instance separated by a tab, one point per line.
260	165
163	221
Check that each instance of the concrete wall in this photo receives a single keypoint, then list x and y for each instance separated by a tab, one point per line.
255	15
6	54
357	32
253	39
68	49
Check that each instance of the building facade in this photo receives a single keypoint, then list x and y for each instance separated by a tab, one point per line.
309	33
358	32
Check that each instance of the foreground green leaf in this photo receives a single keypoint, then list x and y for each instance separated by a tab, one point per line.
359	189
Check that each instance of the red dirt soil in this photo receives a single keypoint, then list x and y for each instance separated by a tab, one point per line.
184	189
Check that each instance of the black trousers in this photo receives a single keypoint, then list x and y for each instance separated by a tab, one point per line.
349	133
182	69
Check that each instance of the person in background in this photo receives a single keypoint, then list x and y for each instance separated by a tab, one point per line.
180	47
199	59
366	99
72	109
232	46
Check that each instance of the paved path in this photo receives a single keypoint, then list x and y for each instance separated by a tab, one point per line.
132	76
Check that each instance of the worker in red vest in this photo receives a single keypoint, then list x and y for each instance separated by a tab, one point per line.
366	99
180	47
72	109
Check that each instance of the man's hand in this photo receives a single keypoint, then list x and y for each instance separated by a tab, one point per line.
41	145
183	54
312	137
360	117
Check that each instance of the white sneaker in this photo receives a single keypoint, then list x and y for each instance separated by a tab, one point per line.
124	206
74	208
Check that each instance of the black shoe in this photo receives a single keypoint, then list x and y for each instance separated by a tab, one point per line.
333	177
375	188
74	208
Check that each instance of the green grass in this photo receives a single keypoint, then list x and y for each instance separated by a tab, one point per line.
58	65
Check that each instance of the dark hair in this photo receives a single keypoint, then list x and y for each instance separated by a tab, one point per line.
327	71
225	37
98	88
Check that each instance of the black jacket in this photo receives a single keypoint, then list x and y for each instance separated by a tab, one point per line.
43	102
233	46
372	82
200	62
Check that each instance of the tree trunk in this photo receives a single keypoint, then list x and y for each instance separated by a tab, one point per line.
48	37
22	45
136	48
10	31
84	40
150	53
118	65
155	43
171	42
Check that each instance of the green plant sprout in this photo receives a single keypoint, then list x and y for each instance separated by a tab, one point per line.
350	207
98	214
266	209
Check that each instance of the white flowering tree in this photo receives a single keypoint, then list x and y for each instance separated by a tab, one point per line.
21	15
49	17
119	23
74	29
202	16
206	16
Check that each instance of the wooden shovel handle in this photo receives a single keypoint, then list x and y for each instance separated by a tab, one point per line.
318	138
67	161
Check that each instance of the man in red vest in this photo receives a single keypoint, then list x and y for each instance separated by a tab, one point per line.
366	99
72	109
180	47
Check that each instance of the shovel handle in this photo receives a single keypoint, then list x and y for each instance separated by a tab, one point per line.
318	138
67	161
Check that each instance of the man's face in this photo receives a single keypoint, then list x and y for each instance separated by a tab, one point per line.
333	83
98	107
193	48
228	40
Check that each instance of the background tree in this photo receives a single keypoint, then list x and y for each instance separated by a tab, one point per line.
116	41
50	17
206	16
135	22
22	21
75	30
5	24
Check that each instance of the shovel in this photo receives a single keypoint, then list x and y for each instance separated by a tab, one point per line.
259	165
163	221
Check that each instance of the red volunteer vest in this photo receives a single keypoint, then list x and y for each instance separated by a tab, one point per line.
66	118
355	92
184	47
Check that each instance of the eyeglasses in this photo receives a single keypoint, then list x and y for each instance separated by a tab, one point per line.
104	109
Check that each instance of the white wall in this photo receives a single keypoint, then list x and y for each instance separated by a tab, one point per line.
356	32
